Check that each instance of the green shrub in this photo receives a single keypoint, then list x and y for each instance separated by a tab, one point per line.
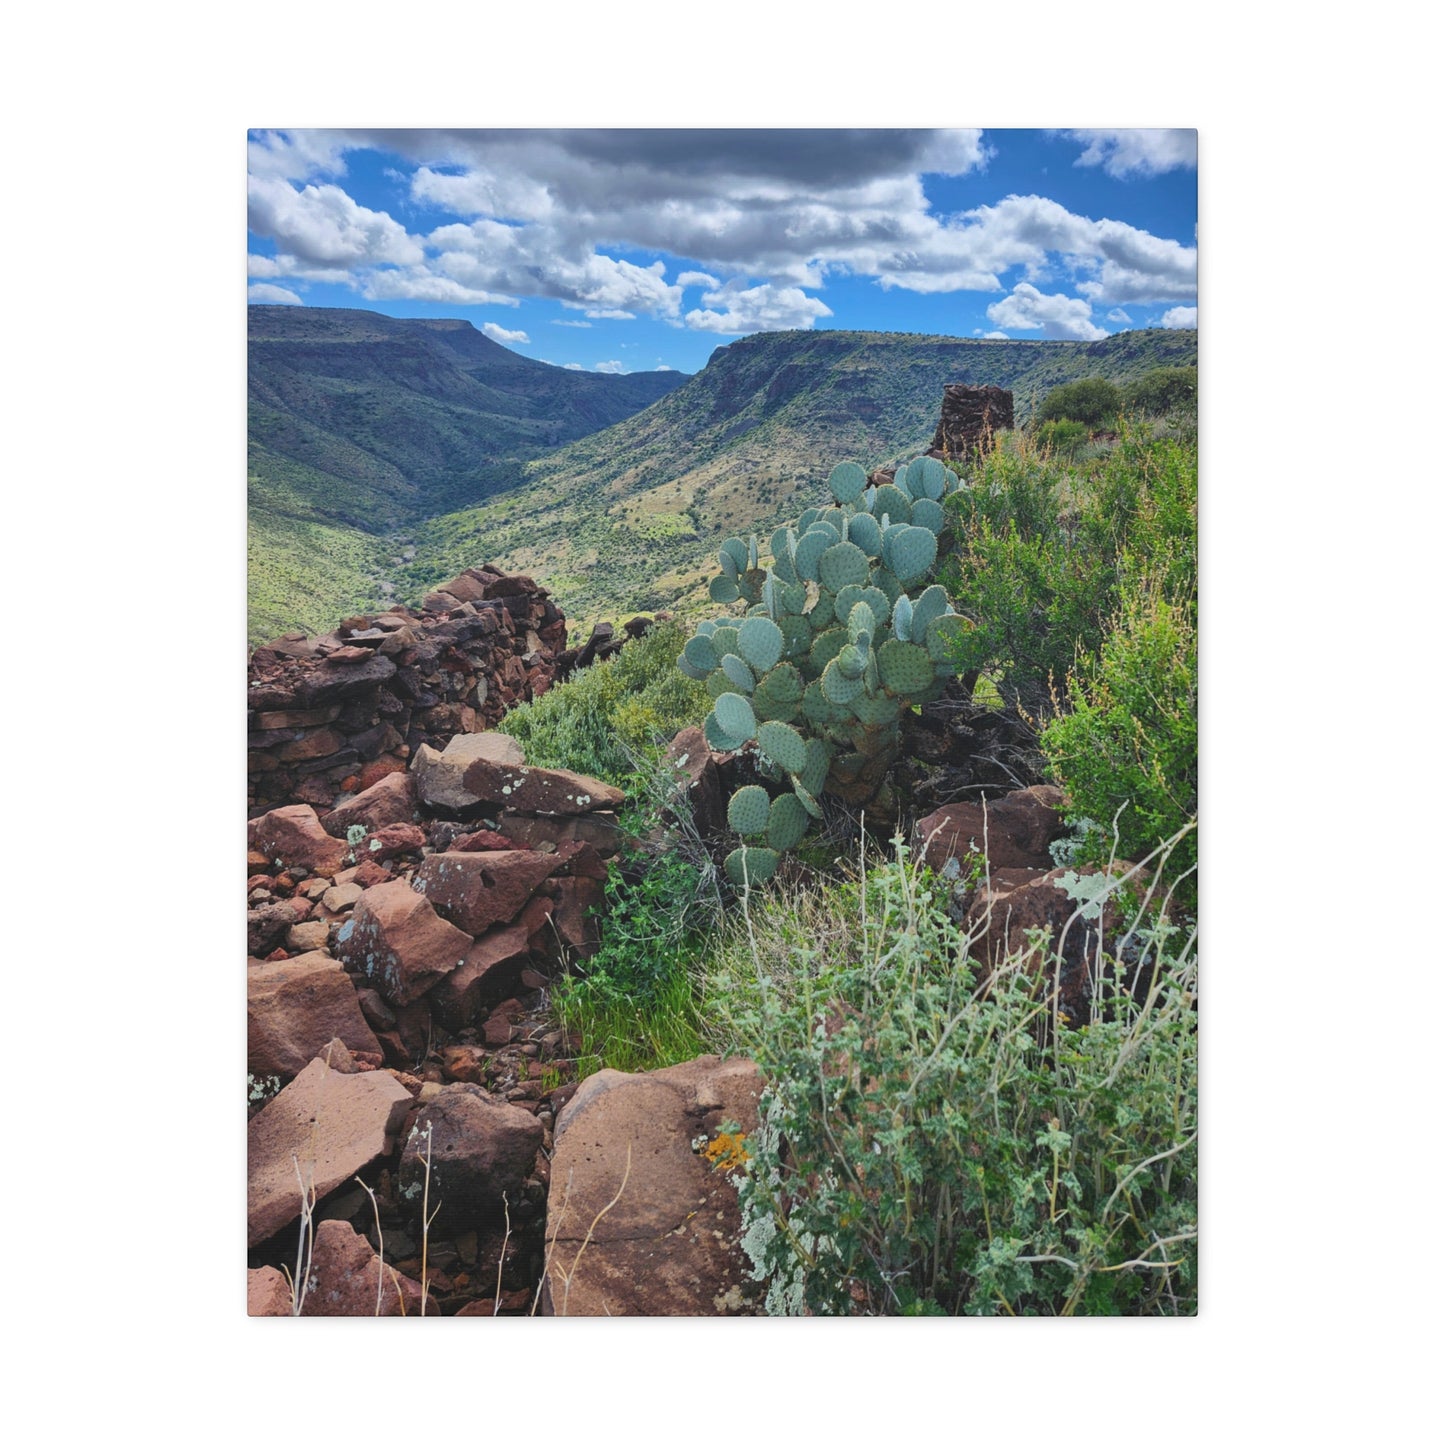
1165	389
1091	400
1064	438
930	1147
631	1004
607	717
1037	562
1128	749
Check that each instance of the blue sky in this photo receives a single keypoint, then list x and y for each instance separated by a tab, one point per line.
630	250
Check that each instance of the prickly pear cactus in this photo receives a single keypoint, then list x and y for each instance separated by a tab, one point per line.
838	638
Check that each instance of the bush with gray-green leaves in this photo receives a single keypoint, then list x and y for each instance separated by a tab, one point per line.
841	635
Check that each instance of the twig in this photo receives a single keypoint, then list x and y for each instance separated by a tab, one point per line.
577	1258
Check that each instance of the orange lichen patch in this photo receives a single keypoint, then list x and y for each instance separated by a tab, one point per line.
727	1151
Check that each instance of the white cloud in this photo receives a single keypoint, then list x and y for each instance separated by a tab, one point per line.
272	295
758	222
581	325
418	284
324	226
1138	152
1062	318
756	308
663	366
573	366
1120	317
501	334
997	336
612	368
1179	318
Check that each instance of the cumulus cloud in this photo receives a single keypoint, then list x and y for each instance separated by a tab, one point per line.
573	366
500	333
663	366
758	223
612	368
272	295
997	336
1138	152
324	226
1062	318
1179	318
582	325
756	308
1120	317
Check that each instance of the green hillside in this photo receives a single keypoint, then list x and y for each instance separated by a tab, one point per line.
360	424
628	519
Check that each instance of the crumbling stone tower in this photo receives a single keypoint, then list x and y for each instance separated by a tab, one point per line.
971	416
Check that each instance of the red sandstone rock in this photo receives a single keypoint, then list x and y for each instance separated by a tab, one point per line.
1018	828
668	1245
481	1150
335	1124
440	776
294	1008
395	940
369	873
294	835
267	1292
492	969
390	800
599	829
476	890
485	842
392	841
548	791
345	1274
373	773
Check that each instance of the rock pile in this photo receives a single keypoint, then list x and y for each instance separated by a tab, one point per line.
334	713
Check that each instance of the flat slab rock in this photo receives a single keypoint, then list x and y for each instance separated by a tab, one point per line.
476	890
668	1245
335	1124
439	774
552	792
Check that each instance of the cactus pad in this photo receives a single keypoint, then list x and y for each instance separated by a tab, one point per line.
875	710
864	532
745	866
851	662
807	799
723	589
737	672
700	652
943	636
735	716
927	477
760	641
846	481
838	687
783	745
927	513
912	552
717	739
904	667
903	618
811	546
841	564
737	550
892	501
931	603
748	810
787	822
797	635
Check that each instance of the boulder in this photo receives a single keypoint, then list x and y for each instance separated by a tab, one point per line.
439	775
395	940
392	799
267	1292
491	971
481	1150
392	841
293	836
348	1278
267	926
294	1008
1018	828
695	766
1010	906
477	890
334	1124
668	1244
551	792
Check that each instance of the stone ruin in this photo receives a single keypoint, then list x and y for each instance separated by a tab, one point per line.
332	714
971	416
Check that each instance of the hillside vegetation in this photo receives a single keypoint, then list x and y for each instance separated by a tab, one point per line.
937	1136
359	424
621	521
